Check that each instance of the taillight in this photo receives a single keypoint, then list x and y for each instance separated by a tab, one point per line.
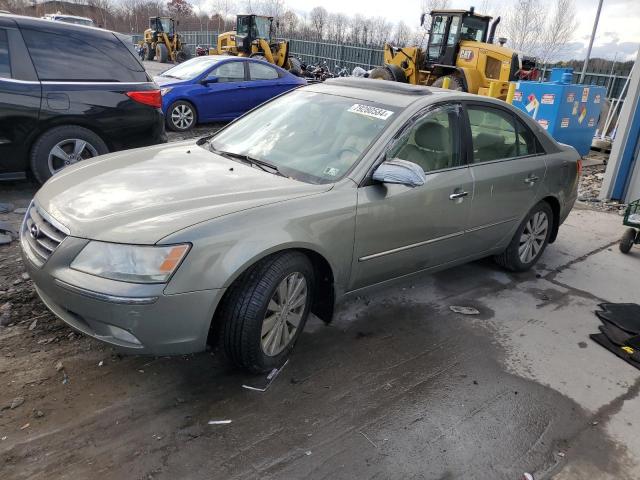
147	97
579	166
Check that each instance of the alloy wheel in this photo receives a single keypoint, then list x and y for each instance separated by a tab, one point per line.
182	116
69	151
533	237
284	314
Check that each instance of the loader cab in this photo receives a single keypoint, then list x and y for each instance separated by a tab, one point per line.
448	29
250	28
162	25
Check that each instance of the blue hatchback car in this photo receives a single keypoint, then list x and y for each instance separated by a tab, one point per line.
219	88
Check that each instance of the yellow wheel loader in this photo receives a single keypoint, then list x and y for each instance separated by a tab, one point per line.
461	55
253	38
162	43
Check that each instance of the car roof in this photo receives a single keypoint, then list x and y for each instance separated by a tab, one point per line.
380	91
52	26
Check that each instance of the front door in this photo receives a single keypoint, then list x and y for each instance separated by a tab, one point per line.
402	229
226	98
508	166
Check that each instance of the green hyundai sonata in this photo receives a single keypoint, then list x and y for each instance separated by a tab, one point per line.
317	194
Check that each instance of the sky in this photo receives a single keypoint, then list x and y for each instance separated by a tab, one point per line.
618	29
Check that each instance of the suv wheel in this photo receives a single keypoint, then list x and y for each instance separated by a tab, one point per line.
162	54
265	311
63	146
529	241
181	116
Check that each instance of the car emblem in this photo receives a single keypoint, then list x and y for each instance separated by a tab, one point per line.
34	231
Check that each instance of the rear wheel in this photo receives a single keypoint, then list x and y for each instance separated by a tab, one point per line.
162	54
530	240
627	240
455	82
63	146
382	73
265	311
295	66
181	116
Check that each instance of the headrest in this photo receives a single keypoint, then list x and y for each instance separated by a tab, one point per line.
431	136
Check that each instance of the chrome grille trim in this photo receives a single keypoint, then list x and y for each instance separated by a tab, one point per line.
49	234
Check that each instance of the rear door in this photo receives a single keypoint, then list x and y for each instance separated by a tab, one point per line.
264	83
508	166
20	95
226	98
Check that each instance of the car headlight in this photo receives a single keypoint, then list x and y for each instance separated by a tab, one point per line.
130	263
164	91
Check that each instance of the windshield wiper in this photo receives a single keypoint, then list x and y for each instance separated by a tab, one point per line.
261	164
169	76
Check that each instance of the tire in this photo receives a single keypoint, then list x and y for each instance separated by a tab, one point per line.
45	162
295	66
162	54
247	304
181	116
516	260
149	51
182	56
627	240
381	73
455	83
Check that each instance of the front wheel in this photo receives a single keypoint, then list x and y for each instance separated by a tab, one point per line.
530	240
455	83
181	116
265	310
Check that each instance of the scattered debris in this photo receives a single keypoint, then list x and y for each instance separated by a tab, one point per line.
307	453
219	422
273	374
20	210
16	402
561	454
6	207
25	276
5	314
527	476
65	379
368	439
38	413
464	310
59	366
33	324
26	425
5	239
589	190
4	438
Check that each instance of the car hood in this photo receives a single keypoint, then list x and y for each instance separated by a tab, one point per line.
169	82
143	195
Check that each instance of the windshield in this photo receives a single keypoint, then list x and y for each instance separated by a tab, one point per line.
191	68
260	29
312	137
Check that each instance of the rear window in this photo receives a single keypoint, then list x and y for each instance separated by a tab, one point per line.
79	57
5	64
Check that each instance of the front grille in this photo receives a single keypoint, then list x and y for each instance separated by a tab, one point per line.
41	234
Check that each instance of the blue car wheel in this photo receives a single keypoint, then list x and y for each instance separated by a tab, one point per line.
181	116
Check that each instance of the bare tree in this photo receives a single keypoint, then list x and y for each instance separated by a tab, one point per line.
336	27
290	22
558	31
401	34
524	22
318	17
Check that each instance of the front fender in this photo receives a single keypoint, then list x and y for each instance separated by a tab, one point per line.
225	247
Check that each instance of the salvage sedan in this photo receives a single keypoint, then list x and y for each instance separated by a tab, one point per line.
318	194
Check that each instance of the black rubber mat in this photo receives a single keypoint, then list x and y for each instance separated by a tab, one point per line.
630	358
614	334
623	315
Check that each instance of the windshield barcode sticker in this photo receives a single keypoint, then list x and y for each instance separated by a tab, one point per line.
374	112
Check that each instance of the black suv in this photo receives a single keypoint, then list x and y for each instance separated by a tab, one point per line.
68	93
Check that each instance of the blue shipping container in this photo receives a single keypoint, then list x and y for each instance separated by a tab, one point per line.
569	112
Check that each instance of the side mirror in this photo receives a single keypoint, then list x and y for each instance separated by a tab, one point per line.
208	80
422	17
400	172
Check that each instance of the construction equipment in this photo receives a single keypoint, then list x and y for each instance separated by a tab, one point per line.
162	42
460	55
253	37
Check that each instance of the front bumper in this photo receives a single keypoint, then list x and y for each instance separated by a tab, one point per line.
135	318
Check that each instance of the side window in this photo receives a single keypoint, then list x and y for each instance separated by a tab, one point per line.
432	141
493	134
527	141
453	31
95	58
258	71
5	64
229	72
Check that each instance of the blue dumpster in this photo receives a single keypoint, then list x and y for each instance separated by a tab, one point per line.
569	112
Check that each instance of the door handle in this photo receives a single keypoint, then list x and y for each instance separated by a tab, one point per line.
531	179
456	195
